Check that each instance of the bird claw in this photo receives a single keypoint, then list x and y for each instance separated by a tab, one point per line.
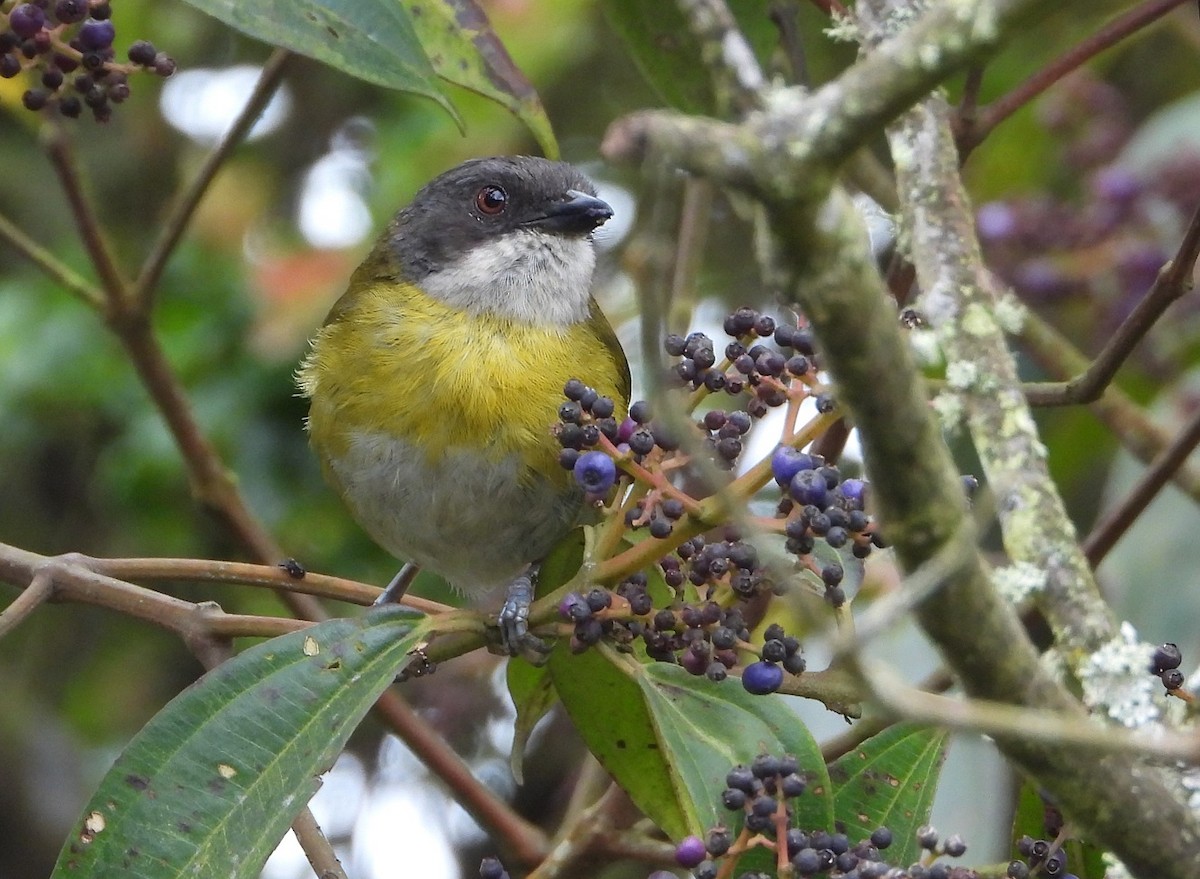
512	622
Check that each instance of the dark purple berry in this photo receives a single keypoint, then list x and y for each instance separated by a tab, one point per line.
70	11
1172	679
808	487
733	799
164	64
35	99
881	837
954	846
1166	656
740	778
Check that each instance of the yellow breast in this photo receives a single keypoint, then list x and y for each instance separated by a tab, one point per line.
394	360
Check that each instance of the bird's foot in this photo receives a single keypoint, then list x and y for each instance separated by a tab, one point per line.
512	622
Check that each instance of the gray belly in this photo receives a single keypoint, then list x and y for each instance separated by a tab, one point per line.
476	523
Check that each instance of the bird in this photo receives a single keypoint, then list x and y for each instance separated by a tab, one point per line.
435	380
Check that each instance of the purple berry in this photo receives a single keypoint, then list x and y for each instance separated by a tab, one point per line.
1117	185
595	472
996	221
96	35
761	678
26	20
690	851
786	462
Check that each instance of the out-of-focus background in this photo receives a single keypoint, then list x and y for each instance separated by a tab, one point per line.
1081	197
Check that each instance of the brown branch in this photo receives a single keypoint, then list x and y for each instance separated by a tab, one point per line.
185	205
62	159
316	846
271	576
1109	529
526	842
1174	280
970	132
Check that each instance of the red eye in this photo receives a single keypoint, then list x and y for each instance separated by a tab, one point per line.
491	200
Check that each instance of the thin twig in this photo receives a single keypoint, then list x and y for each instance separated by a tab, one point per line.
62	159
1173	281
1110	529
970	136
185	205
71	281
998	719
271	576
39	591
316	846
1128	421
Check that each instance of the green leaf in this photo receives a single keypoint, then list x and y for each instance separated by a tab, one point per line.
668	738
889	780
462	47
656	34
211	784
374	40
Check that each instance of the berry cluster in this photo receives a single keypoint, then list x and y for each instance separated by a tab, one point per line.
819	503
72	39
702	626
702	637
1165	663
761	794
1042	857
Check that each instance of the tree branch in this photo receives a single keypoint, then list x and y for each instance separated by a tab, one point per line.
1173	281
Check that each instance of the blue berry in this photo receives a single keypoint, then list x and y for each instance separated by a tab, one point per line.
595	472
761	678
96	35
786	462
690	851
853	489
808	487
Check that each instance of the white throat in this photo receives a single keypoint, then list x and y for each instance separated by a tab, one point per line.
527	275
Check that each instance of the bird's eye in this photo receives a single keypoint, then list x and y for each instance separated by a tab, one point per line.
491	200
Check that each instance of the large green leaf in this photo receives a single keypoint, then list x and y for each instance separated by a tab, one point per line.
405	45
656	35
889	780
211	784
374	40
462	47
669	738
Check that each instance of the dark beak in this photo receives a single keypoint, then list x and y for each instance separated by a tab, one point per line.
577	214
